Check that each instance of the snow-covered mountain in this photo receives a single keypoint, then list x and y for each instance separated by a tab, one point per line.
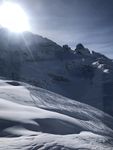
78	74
32	118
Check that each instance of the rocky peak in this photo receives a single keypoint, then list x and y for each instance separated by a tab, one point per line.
80	49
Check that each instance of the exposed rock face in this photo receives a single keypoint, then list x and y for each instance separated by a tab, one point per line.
80	49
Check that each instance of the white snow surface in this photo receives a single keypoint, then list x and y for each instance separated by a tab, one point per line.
35	119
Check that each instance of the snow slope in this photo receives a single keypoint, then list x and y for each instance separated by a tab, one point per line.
33	118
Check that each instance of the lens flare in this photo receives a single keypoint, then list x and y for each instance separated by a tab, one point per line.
13	17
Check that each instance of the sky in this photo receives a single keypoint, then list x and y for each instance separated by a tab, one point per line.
89	22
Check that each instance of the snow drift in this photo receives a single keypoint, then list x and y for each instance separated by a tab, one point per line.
34	118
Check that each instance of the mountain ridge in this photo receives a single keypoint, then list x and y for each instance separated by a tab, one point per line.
78	74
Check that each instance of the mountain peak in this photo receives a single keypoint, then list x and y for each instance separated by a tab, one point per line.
80	49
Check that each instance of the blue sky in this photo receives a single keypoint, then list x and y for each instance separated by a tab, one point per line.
73	21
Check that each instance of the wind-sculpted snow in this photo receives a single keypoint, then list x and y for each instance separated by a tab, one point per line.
33	118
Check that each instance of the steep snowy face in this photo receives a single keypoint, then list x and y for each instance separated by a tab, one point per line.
80	74
34	118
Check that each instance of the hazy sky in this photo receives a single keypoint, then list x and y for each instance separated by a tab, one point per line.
73	21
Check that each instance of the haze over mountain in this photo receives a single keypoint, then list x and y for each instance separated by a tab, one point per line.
80	74
86	21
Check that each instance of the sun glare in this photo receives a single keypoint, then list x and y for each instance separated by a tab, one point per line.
13	17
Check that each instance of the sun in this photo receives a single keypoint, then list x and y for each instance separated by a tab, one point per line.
13	17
